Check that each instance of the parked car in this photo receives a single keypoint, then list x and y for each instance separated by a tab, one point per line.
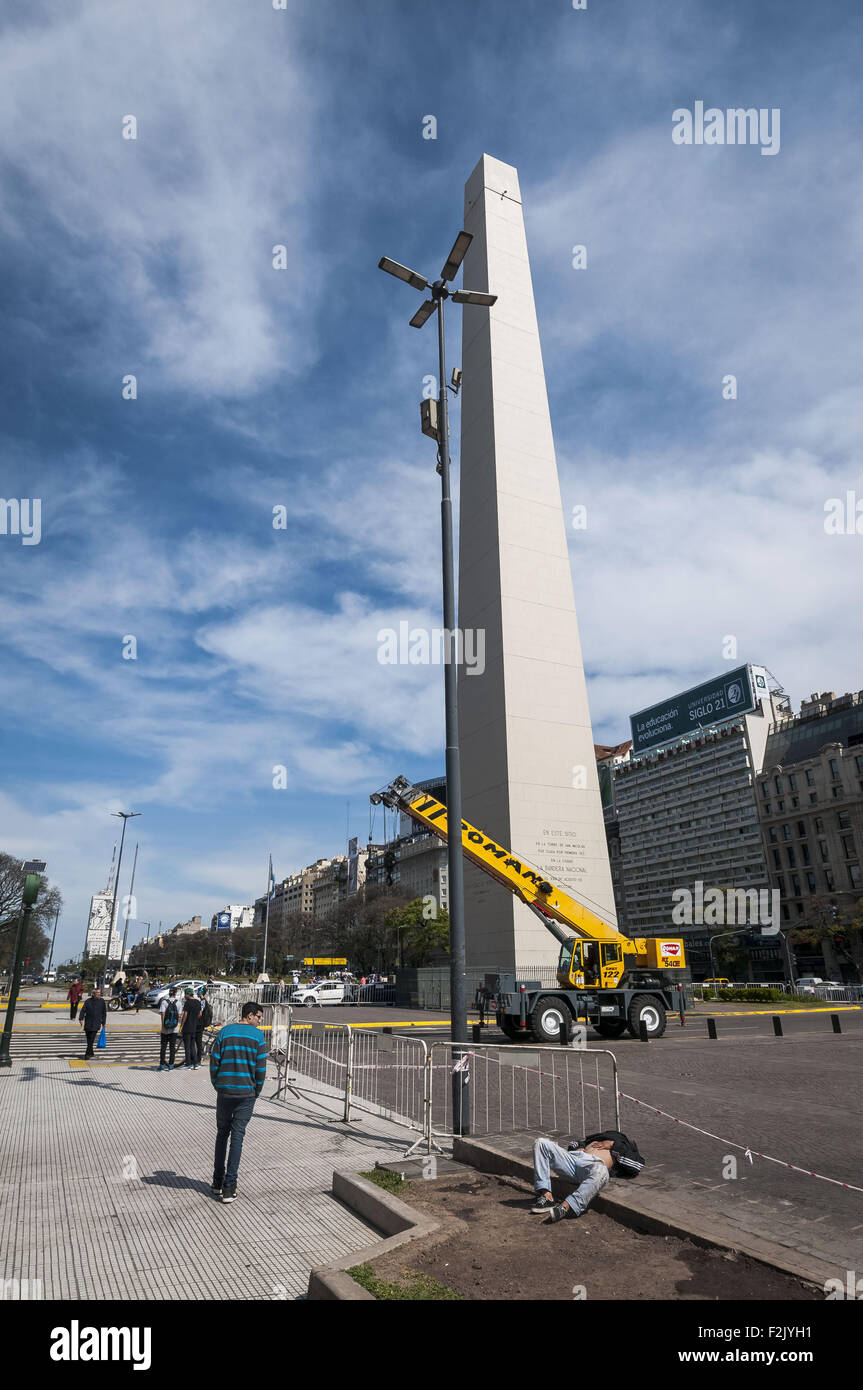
155	996
716	982
806	984
327	992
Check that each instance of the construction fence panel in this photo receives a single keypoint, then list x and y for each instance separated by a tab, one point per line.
318	1062
389	1076
531	1088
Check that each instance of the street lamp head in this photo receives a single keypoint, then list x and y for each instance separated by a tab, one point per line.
456	255
423	313
403	272
474	297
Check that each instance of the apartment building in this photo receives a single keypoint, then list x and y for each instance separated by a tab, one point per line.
683	806
810	804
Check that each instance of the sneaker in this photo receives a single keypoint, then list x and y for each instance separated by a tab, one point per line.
164	1067
542	1205
560	1212
216	1188
229	1194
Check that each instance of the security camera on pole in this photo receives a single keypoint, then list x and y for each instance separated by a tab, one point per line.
435	424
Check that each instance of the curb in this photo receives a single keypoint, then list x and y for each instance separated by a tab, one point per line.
655	1215
399	1222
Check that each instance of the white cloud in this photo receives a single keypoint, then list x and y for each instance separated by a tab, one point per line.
176	228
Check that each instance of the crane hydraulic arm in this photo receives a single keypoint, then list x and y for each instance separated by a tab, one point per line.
555	908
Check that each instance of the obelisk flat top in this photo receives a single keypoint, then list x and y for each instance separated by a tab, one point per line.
494	175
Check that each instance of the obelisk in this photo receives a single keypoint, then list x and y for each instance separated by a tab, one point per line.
528	768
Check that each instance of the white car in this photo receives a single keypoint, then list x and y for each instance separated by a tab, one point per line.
806	984
327	992
155	996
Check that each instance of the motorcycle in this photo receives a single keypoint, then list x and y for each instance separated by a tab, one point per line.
124	1001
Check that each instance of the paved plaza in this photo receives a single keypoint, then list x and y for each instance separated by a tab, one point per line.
104	1186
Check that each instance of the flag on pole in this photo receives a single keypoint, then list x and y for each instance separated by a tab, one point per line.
271	886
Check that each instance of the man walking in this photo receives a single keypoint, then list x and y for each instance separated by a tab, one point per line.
93	1017
170	1012
76	989
238	1070
188	1024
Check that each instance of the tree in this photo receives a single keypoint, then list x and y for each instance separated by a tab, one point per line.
837	932
45	909
421	935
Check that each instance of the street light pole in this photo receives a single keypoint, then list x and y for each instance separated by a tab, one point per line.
439	430
131	897
53	939
124	816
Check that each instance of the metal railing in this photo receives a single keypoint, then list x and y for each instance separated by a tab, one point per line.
531	1088
389	1076
317	1060
513	1089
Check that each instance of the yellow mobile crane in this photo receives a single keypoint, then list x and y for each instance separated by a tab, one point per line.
614	981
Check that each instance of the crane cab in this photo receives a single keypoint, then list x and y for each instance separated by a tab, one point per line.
590	964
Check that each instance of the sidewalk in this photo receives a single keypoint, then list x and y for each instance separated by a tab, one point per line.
105	1177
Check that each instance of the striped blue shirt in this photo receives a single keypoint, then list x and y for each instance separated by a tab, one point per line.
238	1061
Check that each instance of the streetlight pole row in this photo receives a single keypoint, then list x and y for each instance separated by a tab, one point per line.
439	430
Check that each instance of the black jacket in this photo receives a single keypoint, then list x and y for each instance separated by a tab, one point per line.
94	1014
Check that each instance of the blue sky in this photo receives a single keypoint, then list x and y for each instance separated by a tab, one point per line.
257	388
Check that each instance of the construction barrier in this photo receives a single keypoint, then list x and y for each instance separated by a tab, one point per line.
388	1075
514	1089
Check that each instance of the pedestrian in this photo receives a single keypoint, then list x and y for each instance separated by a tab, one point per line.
93	1017
170	1027
141	993
205	1018
76	989
188	1025
238	1070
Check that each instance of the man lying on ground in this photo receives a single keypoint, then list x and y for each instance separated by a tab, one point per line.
590	1162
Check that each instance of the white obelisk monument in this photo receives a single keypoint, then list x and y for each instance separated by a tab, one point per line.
528	768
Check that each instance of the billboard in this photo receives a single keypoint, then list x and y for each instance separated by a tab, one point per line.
223	921
721	698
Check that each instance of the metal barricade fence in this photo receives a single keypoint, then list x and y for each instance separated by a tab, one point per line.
317	1061
388	1075
514	1088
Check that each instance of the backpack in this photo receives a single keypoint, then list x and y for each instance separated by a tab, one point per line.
172	1017
206	1015
628	1162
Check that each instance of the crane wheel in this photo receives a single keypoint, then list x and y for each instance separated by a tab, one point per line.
610	1027
511	1029
546	1019
651	1010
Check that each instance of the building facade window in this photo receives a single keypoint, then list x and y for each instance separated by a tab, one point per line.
810	777
829	879
810	882
778	785
792	782
834	769
848	846
792	862
786	832
844	820
801	830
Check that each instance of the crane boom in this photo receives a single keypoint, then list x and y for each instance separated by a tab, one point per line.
552	904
